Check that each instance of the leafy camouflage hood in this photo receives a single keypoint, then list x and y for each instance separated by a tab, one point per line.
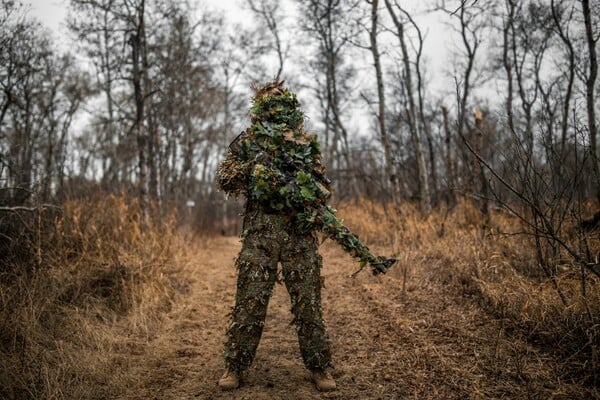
287	176
275	104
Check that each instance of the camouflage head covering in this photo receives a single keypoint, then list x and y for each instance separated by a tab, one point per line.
275	104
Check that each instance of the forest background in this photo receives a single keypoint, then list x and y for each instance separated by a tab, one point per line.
479	115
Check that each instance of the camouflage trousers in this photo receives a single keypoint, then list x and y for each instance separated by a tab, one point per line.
270	239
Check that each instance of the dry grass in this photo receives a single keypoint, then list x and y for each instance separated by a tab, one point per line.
498	270
80	290
84	291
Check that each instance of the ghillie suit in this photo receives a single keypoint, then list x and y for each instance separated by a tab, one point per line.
277	166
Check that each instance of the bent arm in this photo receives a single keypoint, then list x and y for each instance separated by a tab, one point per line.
234	171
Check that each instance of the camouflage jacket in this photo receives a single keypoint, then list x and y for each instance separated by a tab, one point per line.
272	174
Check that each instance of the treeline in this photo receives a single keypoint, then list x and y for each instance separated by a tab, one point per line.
153	106
150	92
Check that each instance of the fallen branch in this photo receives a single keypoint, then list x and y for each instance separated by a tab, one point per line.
29	209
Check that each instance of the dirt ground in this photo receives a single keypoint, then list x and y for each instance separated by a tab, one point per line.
429	341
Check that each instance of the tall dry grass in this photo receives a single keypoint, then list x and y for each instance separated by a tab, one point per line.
494	262
81	290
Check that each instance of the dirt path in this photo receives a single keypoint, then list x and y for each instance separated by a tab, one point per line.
427	342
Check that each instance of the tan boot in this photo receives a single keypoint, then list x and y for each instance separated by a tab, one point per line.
323	380
230	380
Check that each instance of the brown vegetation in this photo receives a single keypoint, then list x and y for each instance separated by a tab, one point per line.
81	289
91	309
492	263
495	264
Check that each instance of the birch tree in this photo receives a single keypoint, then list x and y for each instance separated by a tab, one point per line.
414	110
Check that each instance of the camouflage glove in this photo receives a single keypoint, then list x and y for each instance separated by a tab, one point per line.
381	264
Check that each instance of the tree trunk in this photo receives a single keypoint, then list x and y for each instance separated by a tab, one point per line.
508	28
111	172
482	185
571	79
135	41
152	135
589	92
450	170
471	50
390	165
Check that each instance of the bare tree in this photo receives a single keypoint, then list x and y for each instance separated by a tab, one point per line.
449	159
99	30
590	84
414	112
17	61
13	29
381	114
189	103
66	89
507	30
137	41
562	20
471	20
329	23
41	92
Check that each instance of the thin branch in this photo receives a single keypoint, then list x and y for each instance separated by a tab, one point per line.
29	209
535	208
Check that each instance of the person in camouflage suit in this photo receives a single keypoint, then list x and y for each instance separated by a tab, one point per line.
277	166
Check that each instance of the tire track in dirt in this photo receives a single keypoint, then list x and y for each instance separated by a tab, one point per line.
424	343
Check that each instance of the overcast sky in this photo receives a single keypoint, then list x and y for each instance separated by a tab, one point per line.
52	13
